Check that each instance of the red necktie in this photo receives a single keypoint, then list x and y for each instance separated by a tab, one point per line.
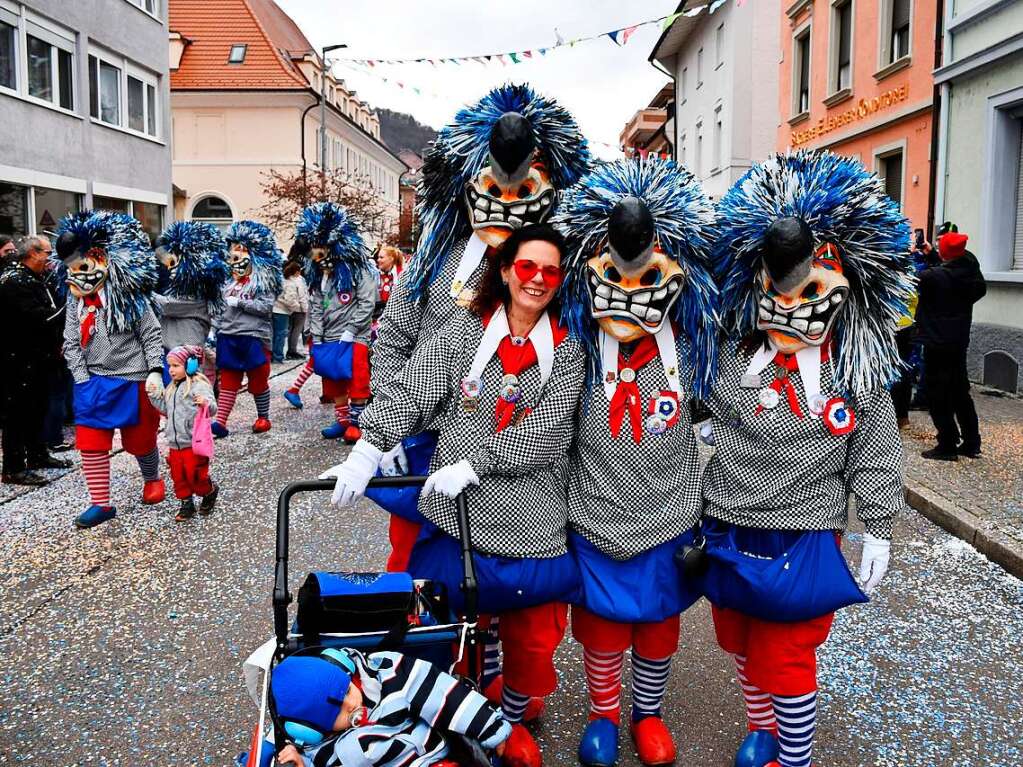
514	359
626	397
92	303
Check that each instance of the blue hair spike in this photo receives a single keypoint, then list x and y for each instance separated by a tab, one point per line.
202	268
328	225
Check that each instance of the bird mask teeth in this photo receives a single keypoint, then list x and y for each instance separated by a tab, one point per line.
495	209
87	273
628	306
239	260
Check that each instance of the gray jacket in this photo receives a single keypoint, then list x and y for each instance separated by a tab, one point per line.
185	321
252	315
177	402
131	355
330	317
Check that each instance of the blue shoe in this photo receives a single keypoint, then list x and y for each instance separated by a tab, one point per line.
293	399
219	431
334	431
759	748
95	515
598	746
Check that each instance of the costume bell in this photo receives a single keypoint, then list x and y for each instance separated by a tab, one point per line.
342	296
640	290
500	164
816	274
245	327
193	257
113	348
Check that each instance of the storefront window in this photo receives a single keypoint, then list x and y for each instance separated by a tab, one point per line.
150	216
8	35
51	205
110	203
13	210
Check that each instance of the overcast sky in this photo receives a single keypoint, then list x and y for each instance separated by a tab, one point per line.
601	83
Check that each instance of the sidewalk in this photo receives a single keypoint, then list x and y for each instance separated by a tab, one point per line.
980	501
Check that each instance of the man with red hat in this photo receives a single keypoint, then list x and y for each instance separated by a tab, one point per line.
944	316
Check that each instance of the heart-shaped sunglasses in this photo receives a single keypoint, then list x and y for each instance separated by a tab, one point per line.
526	269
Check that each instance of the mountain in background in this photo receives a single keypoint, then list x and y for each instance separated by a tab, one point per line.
402	131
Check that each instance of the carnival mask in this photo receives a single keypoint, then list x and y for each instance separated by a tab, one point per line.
87	272
323	257
169	259
514	189
239	260
633	284
800	290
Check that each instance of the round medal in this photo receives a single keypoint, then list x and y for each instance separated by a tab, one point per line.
817	403
510	389
470	404
768	398
655	424
781	372
627	375
471	387
344	297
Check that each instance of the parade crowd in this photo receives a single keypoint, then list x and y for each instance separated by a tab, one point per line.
548	351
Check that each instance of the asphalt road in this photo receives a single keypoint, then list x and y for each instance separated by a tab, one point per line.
123	645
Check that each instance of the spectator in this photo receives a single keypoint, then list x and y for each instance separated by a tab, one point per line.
287	303
7	252
295	284
29	318
61	393
922	253
944	316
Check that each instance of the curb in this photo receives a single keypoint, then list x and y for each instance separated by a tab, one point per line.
963	524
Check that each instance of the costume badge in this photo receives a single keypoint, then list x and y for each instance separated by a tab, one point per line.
750	381
520	416
472	387
839	417
655	424
627	375
817	403
663	407
768	399
470	404
510	390
456	288
345	298
610	377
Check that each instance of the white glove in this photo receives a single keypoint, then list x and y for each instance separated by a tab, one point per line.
348	336
874	563
154	384
450	480
354	474
707	434
231	301
395	462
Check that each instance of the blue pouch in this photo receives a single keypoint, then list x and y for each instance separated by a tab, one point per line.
354	602
647	588
404	501
505	583
779	576
240	352
333	360
105	402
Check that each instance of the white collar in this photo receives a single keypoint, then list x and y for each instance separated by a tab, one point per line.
475	248
667	349
541	336
808	360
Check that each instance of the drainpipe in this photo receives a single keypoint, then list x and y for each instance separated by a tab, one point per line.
937	136
305	186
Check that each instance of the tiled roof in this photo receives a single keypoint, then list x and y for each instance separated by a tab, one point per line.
213	27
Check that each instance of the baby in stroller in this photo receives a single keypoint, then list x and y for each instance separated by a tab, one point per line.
380	709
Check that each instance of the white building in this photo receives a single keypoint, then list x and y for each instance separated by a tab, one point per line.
725	67
980	170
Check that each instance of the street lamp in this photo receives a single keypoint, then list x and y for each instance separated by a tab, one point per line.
323	109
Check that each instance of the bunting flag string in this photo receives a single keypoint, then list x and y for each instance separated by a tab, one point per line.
618	36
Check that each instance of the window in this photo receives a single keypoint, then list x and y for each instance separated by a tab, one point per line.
122	95
13	209
149	6
36	58
683	83
889	170
841	46
895	30
150	215
51	205
50	72
719	160
237	55
8	54
719	45
213	210
111	203
801	73
699	68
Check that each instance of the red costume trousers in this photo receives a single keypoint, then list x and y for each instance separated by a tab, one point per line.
650	640
358	386
139	439
402	534
190	473
259	378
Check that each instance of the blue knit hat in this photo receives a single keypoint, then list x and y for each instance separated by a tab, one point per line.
309	690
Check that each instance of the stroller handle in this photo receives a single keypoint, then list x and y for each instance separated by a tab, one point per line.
282	597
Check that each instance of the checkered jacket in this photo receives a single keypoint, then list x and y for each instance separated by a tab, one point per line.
132	355
774	470
519	508
626	498
330	315
252	315
406	323
184	321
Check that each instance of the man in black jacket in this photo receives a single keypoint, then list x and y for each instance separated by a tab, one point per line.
944	316
29	332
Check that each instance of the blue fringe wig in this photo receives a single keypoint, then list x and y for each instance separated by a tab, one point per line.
267	261
327	225
202	269
460	152
684	231
842	204
131	264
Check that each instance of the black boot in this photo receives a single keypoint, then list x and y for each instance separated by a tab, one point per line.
187	510
49	462
29	478
209	501
937	454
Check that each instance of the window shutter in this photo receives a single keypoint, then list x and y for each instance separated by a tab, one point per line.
900	14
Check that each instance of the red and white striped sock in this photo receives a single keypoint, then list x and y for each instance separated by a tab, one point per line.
759	707
604	680
303	376
96	468
225	404
341	413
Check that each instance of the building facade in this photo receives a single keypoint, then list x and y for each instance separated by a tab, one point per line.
245	96
979	183
84	95
726	99
856	78
651	129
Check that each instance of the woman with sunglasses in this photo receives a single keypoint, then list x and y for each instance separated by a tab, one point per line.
501	381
